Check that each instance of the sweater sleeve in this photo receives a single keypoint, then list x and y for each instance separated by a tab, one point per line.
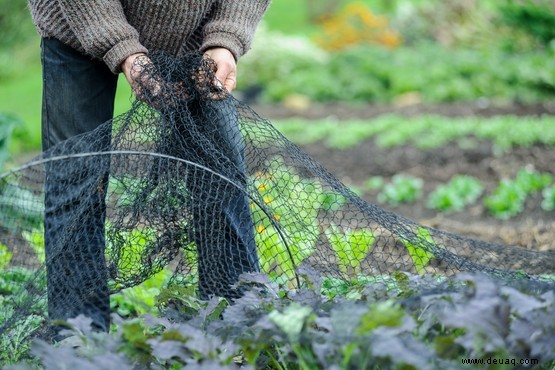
102	30
233	24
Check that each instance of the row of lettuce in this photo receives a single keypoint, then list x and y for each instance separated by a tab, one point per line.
506	200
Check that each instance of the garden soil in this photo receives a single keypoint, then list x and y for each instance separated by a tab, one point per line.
533	228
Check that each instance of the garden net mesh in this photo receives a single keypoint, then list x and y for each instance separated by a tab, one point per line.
193	181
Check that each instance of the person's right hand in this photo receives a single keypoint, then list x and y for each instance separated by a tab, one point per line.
145	86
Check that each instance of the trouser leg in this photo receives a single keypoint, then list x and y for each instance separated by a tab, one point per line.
226	248
222	226
78	96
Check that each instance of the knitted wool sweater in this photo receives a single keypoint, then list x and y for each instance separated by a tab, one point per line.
111	30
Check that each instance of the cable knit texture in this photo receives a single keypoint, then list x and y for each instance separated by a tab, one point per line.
112	30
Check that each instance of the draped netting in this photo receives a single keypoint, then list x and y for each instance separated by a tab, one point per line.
193	181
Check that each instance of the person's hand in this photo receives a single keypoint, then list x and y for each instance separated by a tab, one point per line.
141	83
148	86
226	67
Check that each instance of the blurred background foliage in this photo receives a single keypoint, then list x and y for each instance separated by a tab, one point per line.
397	51
15	30
386	51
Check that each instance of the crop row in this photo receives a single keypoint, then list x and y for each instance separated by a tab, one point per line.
376	74
276	328
506	200
424	132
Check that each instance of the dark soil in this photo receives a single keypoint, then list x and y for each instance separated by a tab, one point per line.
533	228
456	109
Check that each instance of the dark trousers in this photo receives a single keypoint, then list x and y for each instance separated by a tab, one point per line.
78	97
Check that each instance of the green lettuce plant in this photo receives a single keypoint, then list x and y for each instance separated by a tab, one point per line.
419	252
351	246
509	197
5	256
401	189
292	203
454	196
548	202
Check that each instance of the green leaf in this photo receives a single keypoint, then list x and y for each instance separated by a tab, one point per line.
5	256
386	313
531	181
292	320
20	209
351	247
7	124
419	252
507	200
548	202
129	247
401	189
35	238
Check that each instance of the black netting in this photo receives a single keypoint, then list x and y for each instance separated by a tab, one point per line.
193	181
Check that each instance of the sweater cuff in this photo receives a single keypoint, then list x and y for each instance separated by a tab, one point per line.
222	39
119	52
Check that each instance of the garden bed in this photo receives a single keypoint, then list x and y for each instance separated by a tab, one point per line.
531	228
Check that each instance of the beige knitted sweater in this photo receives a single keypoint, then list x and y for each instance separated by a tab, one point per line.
112	30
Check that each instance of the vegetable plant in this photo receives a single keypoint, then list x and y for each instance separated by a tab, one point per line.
401	189
447	74
506	201
419	253
294	330
5	256
509	197
548	202
454	196
7	124
531	181
35	239
424	132
140	299
374	183
294	208
15	347
350	246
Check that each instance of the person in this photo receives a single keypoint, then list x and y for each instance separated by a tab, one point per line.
85	44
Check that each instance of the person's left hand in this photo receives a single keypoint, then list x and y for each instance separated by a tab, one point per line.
226	67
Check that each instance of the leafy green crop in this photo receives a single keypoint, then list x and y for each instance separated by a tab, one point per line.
425	132
419	253
22	208
401	189
7	124
377	74
506	201
15	346
35	239
509	197
295	209
531	181
306	330
140	299
454	196
548	202
374	183
5	256
351	246
136	242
